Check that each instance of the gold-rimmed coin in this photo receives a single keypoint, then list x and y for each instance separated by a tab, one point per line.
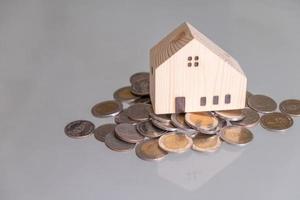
128	133
276	121
201	120
124	94
107	108
175	142
150	150
237	135
206	143
164	118
139	111
291	107
177	119
79	129
251	118
115	144
262	103
101	131
232	115
147	129
222	123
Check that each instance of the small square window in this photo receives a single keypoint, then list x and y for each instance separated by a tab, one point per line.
190	58
196	64
227	99
215	100
196	58
189	64
202	101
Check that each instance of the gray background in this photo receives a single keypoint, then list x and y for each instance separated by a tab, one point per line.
58	58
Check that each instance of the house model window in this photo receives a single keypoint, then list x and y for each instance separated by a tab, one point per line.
193	61
215	100
227	99
202	101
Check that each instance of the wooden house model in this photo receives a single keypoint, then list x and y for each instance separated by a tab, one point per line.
190	73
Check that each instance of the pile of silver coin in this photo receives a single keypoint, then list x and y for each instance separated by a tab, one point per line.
153	136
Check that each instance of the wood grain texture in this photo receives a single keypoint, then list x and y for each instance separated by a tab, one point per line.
194	68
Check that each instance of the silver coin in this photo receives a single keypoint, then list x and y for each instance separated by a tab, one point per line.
139	76
291	107
164	118
147	129
262	103
164	126
115	144
141	87
128	133
79	129
139	111
276	121
103	130
122	117
232	115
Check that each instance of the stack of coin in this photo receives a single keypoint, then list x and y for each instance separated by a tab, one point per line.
147	129
124	94
107	108
139	111
140	83
154	136
231	115
251	118
204	122
178	120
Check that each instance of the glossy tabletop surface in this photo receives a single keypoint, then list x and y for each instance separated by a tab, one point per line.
59	58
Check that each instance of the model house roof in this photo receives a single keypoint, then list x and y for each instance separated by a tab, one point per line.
181	36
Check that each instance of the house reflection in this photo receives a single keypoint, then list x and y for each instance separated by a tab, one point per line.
192	170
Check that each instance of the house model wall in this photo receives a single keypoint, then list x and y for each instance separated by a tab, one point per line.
190	73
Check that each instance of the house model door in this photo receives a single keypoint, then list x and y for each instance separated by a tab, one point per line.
180	104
